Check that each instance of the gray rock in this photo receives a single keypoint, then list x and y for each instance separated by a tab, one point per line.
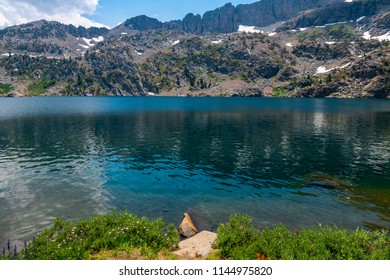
198	246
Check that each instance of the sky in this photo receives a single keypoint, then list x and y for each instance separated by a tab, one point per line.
108	13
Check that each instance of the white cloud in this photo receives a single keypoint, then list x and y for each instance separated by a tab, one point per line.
14	12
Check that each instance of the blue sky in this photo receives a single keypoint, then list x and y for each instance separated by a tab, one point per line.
101	12
111	12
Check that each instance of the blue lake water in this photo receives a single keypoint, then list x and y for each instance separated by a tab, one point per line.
290	161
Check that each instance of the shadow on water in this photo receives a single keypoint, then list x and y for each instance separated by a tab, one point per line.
366	199
260	160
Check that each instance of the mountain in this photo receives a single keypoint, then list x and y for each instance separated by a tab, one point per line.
323	49
50	37
50	30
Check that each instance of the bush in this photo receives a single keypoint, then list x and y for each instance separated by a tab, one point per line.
5	88
81	240
239	240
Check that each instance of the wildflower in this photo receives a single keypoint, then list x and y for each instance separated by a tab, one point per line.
15	251
9	246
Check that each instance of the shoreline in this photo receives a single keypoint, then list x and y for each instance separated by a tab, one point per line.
121	235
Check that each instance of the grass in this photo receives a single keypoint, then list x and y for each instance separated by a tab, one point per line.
123	236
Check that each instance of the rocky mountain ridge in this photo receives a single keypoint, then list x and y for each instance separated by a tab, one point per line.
347	59
227	19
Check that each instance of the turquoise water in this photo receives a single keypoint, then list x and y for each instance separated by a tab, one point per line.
290	161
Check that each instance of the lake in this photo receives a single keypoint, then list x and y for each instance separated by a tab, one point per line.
293	161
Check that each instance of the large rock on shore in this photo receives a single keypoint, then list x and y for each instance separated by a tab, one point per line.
187	227
199	246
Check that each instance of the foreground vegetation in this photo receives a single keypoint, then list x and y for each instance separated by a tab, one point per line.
125	236
240	240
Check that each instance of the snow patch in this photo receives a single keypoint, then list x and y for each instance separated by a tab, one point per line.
348	1
176	42
88	41
302	29
330	43
272	34
139	53
248	29
360	19
289	45
323	70
345	65
98	39
124	33
220	41
151	94
367	35
384	37
84	46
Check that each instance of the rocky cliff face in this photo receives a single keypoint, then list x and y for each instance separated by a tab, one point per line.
267	12
338	12
222	20
227	18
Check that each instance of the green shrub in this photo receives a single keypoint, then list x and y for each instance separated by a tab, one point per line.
238	239
41	86
237	233
280	92
5	88
81	240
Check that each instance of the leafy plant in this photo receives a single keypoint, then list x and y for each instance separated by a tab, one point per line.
238	239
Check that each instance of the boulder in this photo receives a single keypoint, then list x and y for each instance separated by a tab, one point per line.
187	227
197	246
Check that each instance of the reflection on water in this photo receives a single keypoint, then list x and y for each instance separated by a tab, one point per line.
295	162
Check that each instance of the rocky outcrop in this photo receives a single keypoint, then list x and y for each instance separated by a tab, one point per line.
267	12
379	87
337	12
286	73
143	23
187	227
222	20
192	24
227	19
